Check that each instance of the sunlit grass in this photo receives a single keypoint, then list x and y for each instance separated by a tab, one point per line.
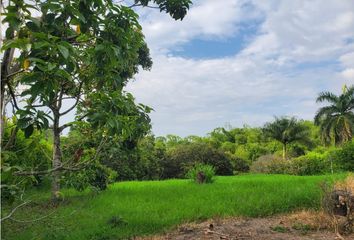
155	206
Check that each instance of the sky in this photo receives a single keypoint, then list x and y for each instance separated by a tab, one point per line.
236	62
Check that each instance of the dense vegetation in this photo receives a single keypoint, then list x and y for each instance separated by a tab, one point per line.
64	55
61	56
86	52
229	151
130	209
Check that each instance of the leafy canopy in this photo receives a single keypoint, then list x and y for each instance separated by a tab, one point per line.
286	130
84	50
336	120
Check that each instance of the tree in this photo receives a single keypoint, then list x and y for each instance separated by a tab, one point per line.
182	157
336	120
286	131
75	54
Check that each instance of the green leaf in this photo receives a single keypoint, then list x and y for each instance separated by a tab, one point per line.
29	130
16	43
30	78
37	60
54	7
74	11
51	66
41	44
82	38
64	51
112	123
36	89
24	122
100	47
63	73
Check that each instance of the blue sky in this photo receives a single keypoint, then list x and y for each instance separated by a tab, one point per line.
214	47
243	62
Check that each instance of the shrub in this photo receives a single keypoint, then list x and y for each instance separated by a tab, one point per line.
19	153
183	157
270	164
116	221
344	157
95	175
239	165
311	164
201	173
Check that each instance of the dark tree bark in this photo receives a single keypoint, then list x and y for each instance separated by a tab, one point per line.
5	71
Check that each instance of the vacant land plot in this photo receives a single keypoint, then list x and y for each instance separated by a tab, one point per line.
129	209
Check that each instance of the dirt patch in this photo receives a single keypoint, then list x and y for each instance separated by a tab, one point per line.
304	225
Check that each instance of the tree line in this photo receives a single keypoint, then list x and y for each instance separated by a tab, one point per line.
286	145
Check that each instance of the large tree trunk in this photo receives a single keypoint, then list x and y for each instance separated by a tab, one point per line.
5	70
56	160
2	111
284	151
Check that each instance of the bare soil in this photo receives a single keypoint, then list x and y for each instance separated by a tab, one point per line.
304	226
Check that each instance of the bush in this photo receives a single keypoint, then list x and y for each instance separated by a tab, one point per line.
95	175
311	164
201	173
270	164
19	153
239	165
344	157
183	157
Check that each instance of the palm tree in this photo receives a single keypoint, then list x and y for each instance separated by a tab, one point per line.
336	120
286	131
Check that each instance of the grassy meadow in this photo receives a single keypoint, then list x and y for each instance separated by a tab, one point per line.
128	209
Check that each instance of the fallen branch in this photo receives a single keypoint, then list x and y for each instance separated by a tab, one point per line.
13	211
45	172
33	220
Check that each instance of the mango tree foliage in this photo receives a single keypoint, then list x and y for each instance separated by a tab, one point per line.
75	54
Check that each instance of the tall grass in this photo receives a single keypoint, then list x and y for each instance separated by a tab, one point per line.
155	206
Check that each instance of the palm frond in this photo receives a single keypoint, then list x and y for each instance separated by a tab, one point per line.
327	96
323	112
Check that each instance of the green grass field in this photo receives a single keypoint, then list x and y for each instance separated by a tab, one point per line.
156	206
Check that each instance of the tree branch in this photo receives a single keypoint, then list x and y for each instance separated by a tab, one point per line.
60	99
11	140
71	123
77	101
141	5
12	95
33	220
39	105
45	172
5	65
13	211
14	73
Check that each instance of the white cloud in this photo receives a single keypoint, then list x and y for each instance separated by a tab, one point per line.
192	96
207	18
347	61
348	74
304	31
